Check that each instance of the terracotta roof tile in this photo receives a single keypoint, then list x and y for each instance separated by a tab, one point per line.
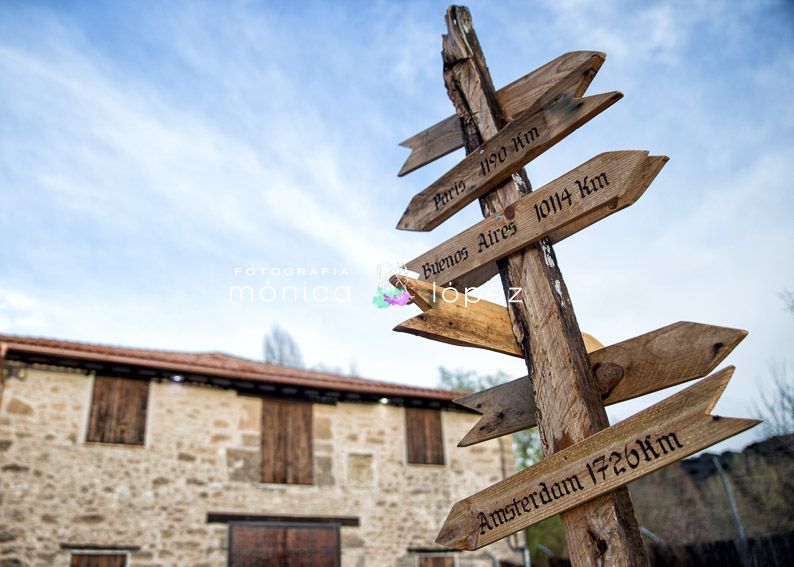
217	364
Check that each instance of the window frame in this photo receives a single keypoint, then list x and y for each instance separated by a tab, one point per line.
90	412
281	403
411	452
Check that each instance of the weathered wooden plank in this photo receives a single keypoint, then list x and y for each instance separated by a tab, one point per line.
650	169
286	442
118	411
593	190
662	434
445	136
604	530
462	319
555	115
424	439
648	363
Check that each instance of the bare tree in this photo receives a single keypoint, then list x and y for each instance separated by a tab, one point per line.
280	348
788	298
777	402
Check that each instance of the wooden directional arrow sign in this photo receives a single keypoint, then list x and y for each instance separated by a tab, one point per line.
462	319
650	169
445	137
662	434
662	358
595	189
555	115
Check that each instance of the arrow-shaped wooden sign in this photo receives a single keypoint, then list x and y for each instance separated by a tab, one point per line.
595	189
445	137
650	169
662	434
462	319
555	115
648	363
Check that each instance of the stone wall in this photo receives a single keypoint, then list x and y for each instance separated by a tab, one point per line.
201	455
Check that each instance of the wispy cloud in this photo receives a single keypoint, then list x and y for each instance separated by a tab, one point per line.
146	154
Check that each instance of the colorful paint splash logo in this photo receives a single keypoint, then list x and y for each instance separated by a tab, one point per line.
387	294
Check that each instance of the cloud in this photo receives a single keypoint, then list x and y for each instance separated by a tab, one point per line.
145	154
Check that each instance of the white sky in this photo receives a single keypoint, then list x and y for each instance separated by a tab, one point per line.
148	152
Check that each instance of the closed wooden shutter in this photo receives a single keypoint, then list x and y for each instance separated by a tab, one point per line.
118	411
424	437
99	560
252	545
287	454
437	561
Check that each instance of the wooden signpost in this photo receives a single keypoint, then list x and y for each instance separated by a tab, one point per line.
444	137
610	181
657	360
555	115
463	320
666	432
570	375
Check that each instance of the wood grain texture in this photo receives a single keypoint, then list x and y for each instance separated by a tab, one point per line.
445	136
98	560
450	318
252	545
437	561
424	437
662	434
461	320
662	358
593	190
533	131
118	411
569	407
287	442
650	169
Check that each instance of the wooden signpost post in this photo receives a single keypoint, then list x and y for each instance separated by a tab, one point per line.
444	137
666	432
606	183
570	375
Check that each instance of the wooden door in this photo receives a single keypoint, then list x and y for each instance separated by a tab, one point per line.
283	545
99	560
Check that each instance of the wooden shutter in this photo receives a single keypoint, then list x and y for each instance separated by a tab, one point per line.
252	545
423	436
118	411
437	561
287	455
99	560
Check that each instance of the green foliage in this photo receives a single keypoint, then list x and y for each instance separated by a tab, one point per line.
528	451
550	534
527	448
526	444
468	380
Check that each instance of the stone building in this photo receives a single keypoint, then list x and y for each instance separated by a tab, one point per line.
129	457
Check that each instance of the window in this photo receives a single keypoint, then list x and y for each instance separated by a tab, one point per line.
423	436
287	455
118	411
83	559
252	545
